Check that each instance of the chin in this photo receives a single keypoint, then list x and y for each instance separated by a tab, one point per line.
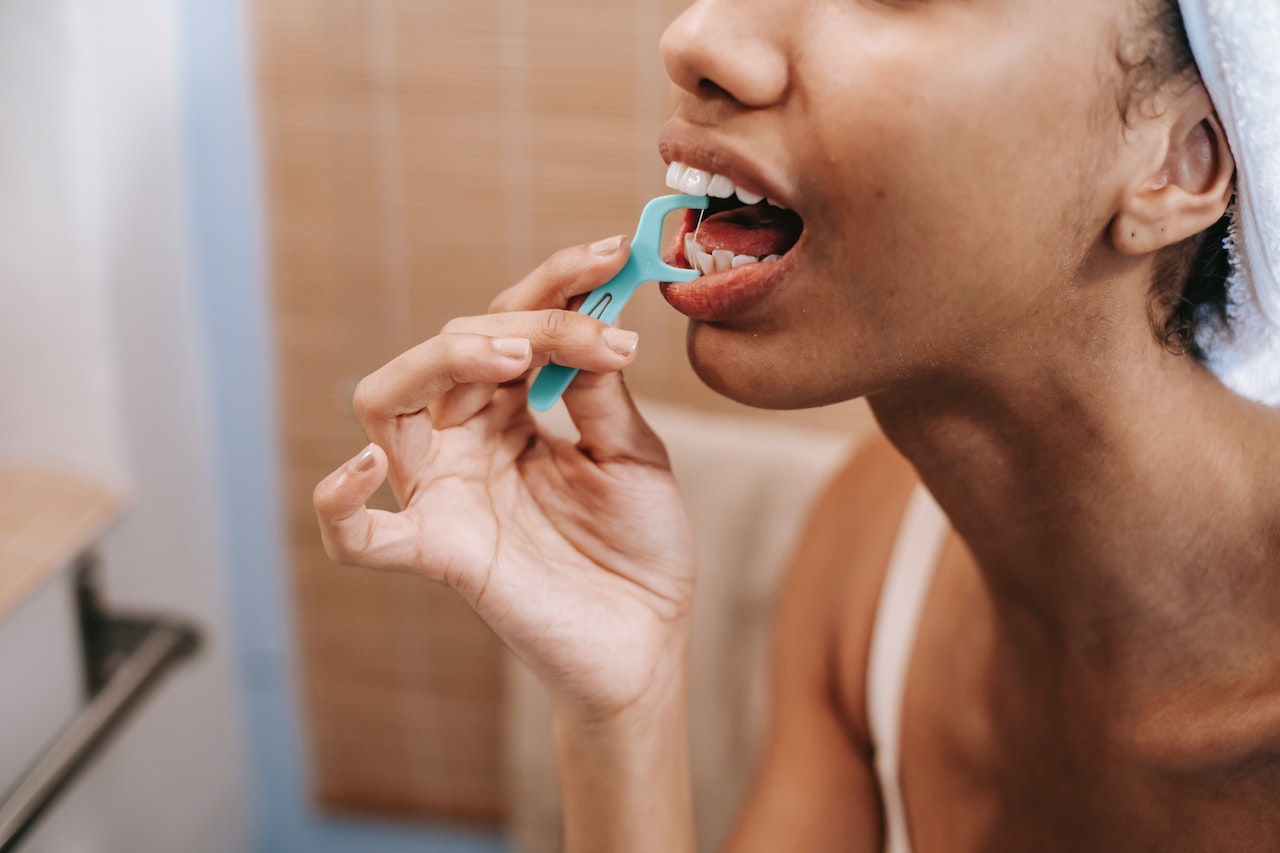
755	376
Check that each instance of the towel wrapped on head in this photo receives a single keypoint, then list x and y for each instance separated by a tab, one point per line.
1237	49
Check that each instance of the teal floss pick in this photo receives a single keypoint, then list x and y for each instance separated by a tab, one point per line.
605	303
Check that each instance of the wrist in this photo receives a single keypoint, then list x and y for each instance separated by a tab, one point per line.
624	771
662	691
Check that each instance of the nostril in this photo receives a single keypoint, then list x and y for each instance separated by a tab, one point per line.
708	88
716	53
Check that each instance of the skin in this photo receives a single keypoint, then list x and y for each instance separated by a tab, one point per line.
1099	662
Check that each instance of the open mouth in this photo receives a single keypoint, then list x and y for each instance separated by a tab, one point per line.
739	227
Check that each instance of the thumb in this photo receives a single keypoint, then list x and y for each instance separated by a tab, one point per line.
347	527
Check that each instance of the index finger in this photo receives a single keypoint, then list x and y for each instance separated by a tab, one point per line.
568	273
417	378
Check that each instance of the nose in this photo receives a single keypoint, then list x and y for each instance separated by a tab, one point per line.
729	49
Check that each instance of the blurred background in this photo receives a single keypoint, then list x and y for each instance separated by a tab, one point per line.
217	216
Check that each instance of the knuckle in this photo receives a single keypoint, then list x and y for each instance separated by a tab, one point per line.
454	326
555	324
566	262
320	496
341	548
364	399
333	546
562	269
452	351
339	551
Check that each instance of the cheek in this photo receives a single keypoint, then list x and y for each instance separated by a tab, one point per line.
957	197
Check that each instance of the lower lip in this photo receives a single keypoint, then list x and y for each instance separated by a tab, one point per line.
721	296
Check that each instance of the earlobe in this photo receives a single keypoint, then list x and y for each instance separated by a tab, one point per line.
1190	188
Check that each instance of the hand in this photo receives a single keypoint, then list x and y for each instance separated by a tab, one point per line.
578	556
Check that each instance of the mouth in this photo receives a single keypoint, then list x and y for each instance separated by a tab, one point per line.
743	244
738	229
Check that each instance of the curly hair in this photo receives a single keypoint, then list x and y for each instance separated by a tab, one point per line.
1190	283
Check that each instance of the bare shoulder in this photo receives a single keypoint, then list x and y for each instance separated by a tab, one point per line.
815	790
840	567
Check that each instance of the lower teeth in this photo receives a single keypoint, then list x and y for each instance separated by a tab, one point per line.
718	260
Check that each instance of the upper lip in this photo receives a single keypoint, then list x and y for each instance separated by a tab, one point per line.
683	142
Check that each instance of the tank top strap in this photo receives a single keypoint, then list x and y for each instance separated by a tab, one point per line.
906	586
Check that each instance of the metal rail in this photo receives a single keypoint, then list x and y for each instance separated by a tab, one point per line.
124	656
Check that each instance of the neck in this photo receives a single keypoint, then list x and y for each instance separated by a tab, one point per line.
1119	515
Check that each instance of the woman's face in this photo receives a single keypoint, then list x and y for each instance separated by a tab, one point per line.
953	164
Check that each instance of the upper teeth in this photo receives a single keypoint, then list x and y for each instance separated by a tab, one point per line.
691	181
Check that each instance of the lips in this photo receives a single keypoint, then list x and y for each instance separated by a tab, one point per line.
740	244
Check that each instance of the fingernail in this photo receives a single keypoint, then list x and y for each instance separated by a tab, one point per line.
517	348
621	341
607	246
365	460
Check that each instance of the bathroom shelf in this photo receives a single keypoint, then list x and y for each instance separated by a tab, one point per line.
47	519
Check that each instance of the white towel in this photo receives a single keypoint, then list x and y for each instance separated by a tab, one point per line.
1237	48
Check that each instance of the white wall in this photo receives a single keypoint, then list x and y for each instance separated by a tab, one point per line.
101	368
56	366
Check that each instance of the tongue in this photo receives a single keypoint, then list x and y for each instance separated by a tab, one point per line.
759	230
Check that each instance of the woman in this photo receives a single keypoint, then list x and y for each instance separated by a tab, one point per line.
998	221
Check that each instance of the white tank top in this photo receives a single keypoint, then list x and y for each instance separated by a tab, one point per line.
906	586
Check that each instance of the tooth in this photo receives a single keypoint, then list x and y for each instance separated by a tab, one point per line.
770	257
723	259
743	260
720	187
691	250
673	175
705	263
748	197
777	205
694	181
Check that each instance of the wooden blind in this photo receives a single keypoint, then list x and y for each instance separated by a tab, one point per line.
420	156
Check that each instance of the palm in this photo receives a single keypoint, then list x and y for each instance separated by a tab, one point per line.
579	566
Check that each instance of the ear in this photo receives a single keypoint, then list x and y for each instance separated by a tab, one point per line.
1188	182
